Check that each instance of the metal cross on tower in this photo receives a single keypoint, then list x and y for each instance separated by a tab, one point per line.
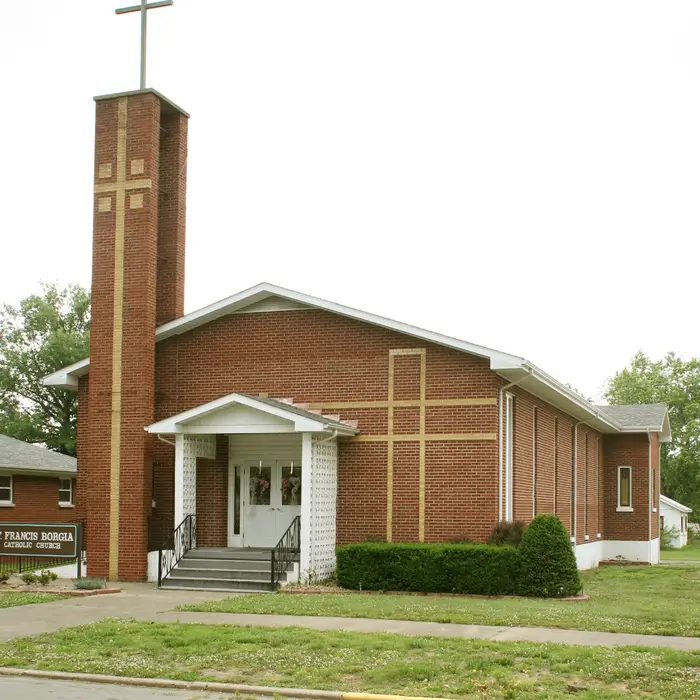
143	9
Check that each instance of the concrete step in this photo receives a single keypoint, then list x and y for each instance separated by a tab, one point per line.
173	587
201	563
230	554
208	584
224	574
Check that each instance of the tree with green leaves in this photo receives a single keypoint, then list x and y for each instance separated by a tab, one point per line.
44	333
676	383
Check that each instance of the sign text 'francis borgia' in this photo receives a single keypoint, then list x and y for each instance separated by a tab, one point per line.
38	540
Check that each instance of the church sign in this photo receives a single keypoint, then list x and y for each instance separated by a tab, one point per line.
20	540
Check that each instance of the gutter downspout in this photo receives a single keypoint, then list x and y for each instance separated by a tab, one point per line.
500	439
332	437
162	439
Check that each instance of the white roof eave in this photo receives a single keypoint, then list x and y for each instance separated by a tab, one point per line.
178	423
507	366
674	504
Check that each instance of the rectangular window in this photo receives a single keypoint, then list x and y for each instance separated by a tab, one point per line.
509	457
597	487
65	492
572	494
5	488
237	476
624	488
556	461
534	461
653	489
662	522
585	488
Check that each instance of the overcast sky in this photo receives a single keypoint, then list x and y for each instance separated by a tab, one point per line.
521	175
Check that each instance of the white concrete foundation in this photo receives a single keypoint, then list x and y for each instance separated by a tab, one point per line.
590	554
66	571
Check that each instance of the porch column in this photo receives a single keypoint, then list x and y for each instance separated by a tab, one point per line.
187	449
319	491
179	478
306	467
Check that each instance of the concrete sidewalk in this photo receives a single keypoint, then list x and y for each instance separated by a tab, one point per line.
437	629
141	601
146	602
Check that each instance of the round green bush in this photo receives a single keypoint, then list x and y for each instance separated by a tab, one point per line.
548	565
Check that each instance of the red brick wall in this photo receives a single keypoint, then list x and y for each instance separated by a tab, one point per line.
212	497
630	451
315	356
170	302
36	501
553	467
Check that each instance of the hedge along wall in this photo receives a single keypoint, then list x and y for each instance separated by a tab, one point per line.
430	568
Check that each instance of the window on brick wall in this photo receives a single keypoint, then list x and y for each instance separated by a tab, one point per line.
509	456
6	488
585	488
556	462
534	461
624	488
65	492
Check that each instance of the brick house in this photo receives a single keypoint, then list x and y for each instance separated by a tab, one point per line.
36	485
273	410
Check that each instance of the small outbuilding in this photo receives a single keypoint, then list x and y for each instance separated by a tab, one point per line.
674	519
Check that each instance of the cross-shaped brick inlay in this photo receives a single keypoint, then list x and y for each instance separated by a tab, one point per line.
121	187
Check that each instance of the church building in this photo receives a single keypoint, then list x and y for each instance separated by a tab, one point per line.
273	422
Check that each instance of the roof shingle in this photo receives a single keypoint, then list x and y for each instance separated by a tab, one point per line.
16	455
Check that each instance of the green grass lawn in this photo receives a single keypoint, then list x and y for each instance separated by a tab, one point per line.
690	552
10	599
350	661
644	600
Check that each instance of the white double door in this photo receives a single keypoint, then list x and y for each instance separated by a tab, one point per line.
270	500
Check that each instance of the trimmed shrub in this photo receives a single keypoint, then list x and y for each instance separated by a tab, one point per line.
89	584
548	565
29	577
507	532
47	576
429	568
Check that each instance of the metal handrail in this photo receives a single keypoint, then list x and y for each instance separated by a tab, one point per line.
176	546
285	551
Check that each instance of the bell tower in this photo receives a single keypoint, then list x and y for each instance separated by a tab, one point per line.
137	283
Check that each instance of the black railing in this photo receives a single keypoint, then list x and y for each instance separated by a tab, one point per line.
178	544
285	551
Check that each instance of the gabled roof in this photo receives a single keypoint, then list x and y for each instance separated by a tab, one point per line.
636	418
674	504
299	419
512	368
17	456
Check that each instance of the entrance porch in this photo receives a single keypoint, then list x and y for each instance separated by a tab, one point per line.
266	498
